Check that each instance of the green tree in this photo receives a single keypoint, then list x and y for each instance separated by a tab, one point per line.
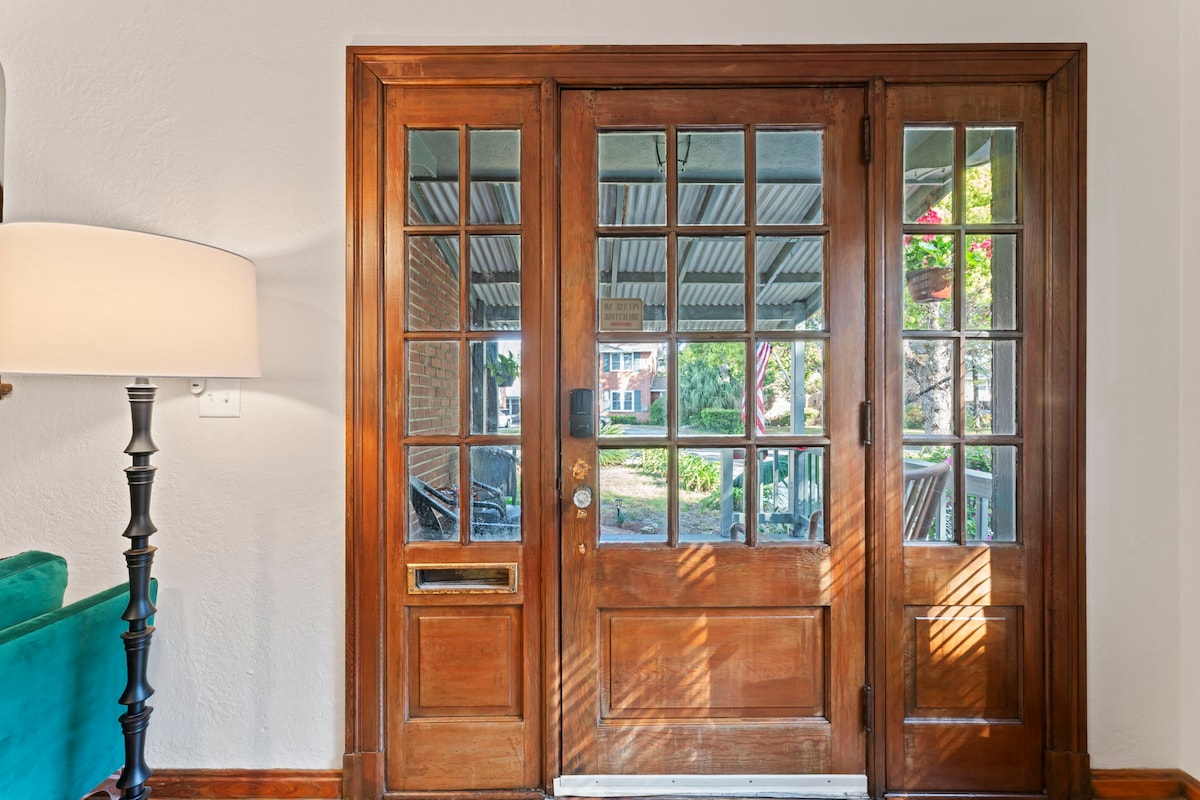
711	375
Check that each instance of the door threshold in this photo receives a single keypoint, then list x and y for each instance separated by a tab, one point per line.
851	787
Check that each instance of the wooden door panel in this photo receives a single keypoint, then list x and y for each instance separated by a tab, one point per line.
717	577
963	662
725	748
671	663
447	645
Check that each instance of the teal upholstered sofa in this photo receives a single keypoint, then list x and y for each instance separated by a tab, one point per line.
62	669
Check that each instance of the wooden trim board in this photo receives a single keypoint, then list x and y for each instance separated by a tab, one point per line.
239	784
1144	784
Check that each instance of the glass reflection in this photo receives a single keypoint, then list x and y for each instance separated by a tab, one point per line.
433	493
929	282
495	158
495	282
712	389
496	387
990	387
633	184
433	402
712	177
791	387
712	283
991	179
928	175
791	494
433	177
991	508
789	286
431	297
789	174
633	269
632	383
990	285
928	493
928	387
495	494
633	495
710	491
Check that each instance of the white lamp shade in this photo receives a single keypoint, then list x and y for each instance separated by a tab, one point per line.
83	300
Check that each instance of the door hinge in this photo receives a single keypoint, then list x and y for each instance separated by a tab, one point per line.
867	422
868	699
867	139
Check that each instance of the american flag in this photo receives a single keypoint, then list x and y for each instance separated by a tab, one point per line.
762	355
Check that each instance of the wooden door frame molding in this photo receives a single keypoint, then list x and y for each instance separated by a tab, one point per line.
1060	68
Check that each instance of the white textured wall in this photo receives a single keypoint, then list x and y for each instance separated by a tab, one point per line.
223	122
1189	423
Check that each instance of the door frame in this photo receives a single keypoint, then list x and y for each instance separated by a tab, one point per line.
1060	69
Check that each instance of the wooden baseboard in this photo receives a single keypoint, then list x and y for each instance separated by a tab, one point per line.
238	784
1144	784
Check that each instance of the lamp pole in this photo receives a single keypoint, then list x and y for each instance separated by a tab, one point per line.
138	559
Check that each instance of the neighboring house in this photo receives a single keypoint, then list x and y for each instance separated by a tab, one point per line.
629	379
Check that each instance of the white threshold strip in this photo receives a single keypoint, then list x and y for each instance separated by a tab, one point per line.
852	787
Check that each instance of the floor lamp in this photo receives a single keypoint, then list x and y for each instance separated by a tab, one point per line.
83	300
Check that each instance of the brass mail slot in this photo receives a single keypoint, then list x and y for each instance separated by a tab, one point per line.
462	578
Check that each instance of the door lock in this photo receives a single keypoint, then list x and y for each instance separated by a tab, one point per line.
582	496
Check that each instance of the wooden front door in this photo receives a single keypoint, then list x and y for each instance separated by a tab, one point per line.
617	503
713	368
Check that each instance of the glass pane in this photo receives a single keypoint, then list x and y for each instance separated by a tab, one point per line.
991	175
991	513
990	286
495	380
712	283
432	493
990	387
496	494
633	270
433	177
928	175
789	174
495	177
495	282
928	494
712	177
929	280
928	387
632	386
712	388
633	185
791	388
633	495
433	393
709	493
431	296
791	494
789	283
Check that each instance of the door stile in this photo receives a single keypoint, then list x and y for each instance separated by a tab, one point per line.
877	497
578	365
548	347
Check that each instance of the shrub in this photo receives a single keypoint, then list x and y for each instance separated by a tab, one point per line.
622	419
696	474
654	462
658	412
721	420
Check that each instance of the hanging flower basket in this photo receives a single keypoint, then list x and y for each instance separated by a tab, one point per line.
930	285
